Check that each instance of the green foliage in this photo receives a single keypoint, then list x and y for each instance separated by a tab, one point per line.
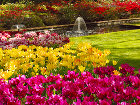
49	19
67	15
12	13
8	1
33	21
111	14
1	26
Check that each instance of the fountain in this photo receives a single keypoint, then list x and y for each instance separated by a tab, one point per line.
79	28
18	27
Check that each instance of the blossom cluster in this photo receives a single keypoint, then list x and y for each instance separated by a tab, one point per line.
34	60
101	8
11	14
104	9
89	10
47	7
46	39
74	88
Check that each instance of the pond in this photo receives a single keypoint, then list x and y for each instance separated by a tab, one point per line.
94	29
91	29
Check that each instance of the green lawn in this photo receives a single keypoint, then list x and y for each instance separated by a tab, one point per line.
134	24
124	45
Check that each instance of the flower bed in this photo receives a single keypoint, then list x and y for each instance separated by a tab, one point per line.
35	72
46	39
35	60
32	73
106	86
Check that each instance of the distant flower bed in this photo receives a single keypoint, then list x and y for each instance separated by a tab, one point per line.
106	86
65	12
32	38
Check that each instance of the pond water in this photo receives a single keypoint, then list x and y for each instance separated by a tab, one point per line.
94	29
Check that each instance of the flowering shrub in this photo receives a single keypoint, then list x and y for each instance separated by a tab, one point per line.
12	14
95	11
32	38
126	9
67	11
46	7
34	60
74	89
91	11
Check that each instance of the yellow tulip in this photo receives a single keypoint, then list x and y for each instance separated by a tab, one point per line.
81	68
76	62
36	68
24	58
107	52
107	61
114	62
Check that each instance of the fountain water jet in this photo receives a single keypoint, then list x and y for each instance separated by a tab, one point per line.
79	26
79	29
18	27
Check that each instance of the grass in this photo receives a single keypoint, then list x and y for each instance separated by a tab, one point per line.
124	45
134	24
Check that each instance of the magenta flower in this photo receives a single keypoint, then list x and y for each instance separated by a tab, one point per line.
35	100
52	78
104	71
125	68
73	89
20	90
49	90
134	81
6	97
128	93
36	90
123	103
70	90
56	100
71	75
104	102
